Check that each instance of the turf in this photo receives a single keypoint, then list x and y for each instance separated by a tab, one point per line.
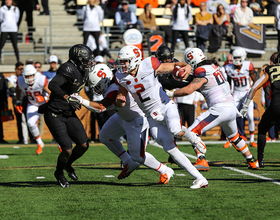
98	194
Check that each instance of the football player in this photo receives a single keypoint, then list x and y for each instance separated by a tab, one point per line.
139	78
242	73
59	114
209	80
272	114
32	84
129	121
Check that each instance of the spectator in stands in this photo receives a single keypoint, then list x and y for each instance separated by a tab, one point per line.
92	15
271	7
204	21
38	66
213	4
181	16
103	46
124	18
243	15
277	18
148	18
256	6
12	84
143	3
53	61
28	6
233	5
3	104
9	16
219	29
45	5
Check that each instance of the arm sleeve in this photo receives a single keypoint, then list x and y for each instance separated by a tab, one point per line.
117	18
56	83
133	18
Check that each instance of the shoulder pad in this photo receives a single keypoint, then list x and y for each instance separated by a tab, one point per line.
66	69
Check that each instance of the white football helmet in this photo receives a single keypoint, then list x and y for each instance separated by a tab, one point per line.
131	54
100	77
194	56
238	56
29	74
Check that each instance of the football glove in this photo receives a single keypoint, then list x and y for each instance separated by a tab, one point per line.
19	107
169	93
74	103
245	107
40	99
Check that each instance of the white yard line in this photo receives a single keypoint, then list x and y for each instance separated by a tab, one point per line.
229	168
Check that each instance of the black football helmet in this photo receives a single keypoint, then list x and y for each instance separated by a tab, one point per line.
81	56
273	57
163	53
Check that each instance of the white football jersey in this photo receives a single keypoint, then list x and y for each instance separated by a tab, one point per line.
130	111
217	89
35	90
145	87
240	78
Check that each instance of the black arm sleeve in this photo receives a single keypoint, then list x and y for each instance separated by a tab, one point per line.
56	83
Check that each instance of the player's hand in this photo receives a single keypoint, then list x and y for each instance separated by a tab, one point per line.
77	96
188	71
40	99
19	108
121	98
244	110
238	114
74	103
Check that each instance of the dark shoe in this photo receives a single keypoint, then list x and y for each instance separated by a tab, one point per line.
63	182
71	173
44	13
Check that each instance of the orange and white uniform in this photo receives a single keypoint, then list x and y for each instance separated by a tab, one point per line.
241	87
35	99
221	108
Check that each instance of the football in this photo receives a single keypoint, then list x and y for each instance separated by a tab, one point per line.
178	73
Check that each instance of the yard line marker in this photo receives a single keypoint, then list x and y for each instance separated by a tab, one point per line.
4	157
231	168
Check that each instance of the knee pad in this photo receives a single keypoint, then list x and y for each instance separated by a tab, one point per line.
184	129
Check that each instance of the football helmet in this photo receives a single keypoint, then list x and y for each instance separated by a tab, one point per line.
238	56
100	77
81	56
164	53
273	57
29	74
194	56
129	58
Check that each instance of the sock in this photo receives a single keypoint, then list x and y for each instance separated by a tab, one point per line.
74	156
249	157
199	154
39	140
252	135
185	163
125	157
152	163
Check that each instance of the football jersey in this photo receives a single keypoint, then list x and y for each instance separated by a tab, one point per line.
274	76
240	78
130	111
35	90
217	89
145	87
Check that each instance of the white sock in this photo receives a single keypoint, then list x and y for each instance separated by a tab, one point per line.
153	163
39	141
252	137
185	163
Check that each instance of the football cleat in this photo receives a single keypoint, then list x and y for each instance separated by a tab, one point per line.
226	145
253	144
128	169
201	183
71	173
62	181
201	164
164	178
198	143
39	148
253	164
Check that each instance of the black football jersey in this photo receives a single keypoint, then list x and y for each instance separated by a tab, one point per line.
274	75
68	80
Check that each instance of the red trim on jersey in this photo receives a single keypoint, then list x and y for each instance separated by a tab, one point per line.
251	66
155	63
199	72
112	96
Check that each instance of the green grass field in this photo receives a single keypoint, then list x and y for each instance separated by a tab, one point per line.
29	189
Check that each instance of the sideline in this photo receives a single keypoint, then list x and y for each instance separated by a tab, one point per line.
225	167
